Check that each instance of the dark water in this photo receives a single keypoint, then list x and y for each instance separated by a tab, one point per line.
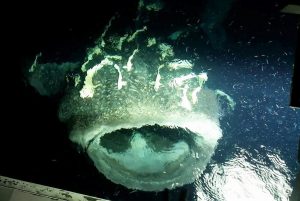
255	158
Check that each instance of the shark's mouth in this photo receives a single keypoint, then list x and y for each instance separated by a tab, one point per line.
154	157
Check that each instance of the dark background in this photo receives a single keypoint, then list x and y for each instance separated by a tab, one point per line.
30	149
